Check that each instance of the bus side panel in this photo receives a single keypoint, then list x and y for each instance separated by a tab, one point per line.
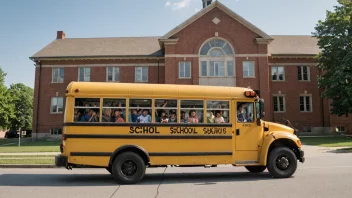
162	151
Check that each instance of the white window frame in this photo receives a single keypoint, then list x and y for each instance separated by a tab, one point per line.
58	78
248	74
113	74
57	102
308	72
277	68
84	76
338	129
305	105
55	131
183	64
135	74
278	102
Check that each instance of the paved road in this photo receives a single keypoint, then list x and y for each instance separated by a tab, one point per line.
325	174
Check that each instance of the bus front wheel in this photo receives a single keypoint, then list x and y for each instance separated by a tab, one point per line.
128	168
282	162
255	169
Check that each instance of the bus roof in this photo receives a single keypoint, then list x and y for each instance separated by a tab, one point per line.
141	90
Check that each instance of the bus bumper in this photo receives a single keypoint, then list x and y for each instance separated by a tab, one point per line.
301	155
61	161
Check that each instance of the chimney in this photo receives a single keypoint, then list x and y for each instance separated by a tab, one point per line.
60	35
206	3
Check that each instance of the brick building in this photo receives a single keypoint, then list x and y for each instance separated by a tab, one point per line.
214	47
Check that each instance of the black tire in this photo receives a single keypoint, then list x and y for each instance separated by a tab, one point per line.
109	169
128	168
255	169
282	162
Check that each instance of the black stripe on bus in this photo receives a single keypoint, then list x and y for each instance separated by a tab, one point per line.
102	124
106	136
159	154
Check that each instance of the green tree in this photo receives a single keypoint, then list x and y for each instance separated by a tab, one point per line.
335	59
6	108
22	98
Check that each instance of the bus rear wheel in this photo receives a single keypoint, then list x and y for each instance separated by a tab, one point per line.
255	169
128	168
282	162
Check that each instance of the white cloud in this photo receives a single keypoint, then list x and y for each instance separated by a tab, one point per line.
196	10
178	5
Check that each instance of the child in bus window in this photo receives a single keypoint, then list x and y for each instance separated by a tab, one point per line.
173	117
145	117
118	117
219	118
192	117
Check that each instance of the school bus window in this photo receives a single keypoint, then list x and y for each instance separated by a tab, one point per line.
245	112
218	112
165	111
114	110
140	110
192	111
87	109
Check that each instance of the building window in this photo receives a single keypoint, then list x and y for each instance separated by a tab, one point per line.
55	131
229	68
216	47
57	75
112	74
277	73
248	69
217	68
141	74
340	129
184	70
279	103
305	103
84	74
57	105
303	73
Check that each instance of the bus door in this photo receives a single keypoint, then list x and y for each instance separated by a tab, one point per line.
247	133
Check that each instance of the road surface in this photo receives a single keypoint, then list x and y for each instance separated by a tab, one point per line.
324	174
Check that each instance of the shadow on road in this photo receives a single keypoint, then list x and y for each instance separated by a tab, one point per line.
107	180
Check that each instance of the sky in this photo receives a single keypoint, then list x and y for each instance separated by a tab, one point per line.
27	26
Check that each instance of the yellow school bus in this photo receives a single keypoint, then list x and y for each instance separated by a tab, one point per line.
127	127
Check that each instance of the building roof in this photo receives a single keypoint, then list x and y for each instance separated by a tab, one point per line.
225	9
102	47
293	45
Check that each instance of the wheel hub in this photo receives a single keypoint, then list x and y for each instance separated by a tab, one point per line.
282	163
129	168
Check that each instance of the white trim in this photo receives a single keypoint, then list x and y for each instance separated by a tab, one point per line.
57	106
295	64
219	38
197	56
135	72
224	9
278	102
52	74
90	74
308	73
109	65
304	101
248	68
271	74
190	69
113	74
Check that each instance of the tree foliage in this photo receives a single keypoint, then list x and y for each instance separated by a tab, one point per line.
16	105
22	98
335	59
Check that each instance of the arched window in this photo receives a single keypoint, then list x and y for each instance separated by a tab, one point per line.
217	44
216	59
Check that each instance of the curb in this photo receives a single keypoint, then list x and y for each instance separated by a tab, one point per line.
27	166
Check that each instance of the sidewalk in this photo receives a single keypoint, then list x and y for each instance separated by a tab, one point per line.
38	153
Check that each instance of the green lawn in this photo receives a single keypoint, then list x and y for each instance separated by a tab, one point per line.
339	141
33	146
49	161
